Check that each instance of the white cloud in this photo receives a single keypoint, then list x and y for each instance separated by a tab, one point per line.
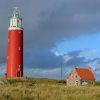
65	56
89	54
95	66
2	69
56	53
43	73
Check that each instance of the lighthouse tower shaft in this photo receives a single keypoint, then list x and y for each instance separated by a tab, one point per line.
15	46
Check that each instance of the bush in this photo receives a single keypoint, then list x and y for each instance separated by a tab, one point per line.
97	83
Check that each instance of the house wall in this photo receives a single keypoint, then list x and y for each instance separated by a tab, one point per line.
87	81
73	79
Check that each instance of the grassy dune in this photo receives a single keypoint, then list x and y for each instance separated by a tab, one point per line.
45	89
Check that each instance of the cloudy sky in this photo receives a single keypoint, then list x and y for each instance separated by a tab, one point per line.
56	32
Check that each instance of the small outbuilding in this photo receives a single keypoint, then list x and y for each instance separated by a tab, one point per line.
80	77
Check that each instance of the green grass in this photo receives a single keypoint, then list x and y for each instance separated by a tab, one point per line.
45	89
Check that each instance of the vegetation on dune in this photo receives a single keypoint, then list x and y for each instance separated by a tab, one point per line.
97	83
45	89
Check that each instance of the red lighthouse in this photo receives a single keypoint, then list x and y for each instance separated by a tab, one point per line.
15	46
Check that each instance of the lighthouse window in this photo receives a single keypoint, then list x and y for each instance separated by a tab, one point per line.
19	32
19	48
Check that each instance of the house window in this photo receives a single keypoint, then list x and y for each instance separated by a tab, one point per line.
77	83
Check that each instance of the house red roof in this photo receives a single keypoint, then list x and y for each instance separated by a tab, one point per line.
85	73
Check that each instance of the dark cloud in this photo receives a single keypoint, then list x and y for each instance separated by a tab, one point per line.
64	21
48	22
75	53
43	59
76	60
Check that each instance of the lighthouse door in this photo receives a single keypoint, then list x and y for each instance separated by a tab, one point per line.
19	72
